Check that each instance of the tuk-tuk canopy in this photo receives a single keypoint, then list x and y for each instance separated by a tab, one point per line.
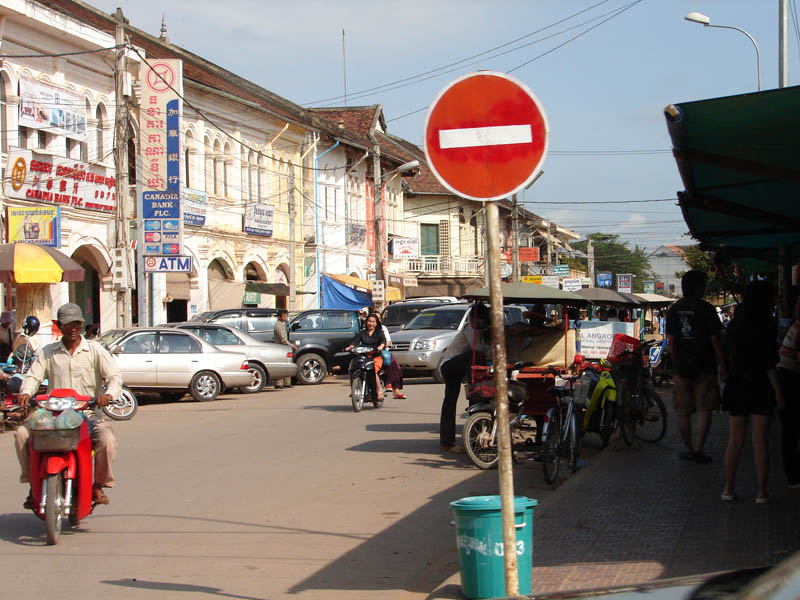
531	293
607	297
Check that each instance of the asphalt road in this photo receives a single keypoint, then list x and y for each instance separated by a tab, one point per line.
278	494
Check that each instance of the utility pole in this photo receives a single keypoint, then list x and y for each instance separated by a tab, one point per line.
549	253
292	249
590	253
783	43
121	159
514	240
376	174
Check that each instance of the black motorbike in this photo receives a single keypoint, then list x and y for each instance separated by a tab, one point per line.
362	378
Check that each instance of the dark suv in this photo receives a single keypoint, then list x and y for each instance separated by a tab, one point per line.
257	322
321	336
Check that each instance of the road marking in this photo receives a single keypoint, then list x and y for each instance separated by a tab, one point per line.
485	136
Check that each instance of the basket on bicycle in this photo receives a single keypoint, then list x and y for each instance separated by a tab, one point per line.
625	353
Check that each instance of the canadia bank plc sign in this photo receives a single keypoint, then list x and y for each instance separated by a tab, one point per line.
57	180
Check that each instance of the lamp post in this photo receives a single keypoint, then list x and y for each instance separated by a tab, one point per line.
696	17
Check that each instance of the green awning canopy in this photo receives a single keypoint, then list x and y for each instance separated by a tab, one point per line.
739	158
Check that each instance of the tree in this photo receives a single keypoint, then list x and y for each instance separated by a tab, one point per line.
723	279
617	257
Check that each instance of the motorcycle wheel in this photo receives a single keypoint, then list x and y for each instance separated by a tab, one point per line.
124	407
358	389
607	422
551	460
378	401
477	440
54	507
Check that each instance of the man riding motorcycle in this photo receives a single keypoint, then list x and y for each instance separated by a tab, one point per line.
84	366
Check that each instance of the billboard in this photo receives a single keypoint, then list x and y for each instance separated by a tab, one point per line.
58	110
259	219
160	152
649	287
625	283
39	225
605	280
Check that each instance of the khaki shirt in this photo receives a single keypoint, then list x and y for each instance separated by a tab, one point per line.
281	335
86	371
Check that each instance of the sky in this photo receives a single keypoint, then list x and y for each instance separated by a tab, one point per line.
603	70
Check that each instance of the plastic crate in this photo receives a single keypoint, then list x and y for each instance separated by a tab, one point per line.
622	344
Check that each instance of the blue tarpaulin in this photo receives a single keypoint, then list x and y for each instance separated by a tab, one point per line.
338	295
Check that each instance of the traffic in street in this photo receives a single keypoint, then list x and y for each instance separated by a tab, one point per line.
261	496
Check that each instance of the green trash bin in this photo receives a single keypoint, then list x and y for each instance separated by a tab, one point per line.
479	531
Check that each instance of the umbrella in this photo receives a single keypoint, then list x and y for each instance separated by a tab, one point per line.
606	296
531	292
29	263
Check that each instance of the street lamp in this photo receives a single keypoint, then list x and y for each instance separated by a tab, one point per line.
696	17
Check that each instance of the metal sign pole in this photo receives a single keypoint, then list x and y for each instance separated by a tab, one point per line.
501	386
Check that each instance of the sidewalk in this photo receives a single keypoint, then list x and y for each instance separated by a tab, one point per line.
638	514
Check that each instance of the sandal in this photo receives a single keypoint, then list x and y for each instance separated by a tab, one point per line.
28	504
701	457
399	396
98	497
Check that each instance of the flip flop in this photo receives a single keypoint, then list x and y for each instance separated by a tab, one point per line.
399	396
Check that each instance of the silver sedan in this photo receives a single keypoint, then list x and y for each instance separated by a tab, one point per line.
175	362
267	361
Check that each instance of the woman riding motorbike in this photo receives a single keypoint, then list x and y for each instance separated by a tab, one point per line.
371	336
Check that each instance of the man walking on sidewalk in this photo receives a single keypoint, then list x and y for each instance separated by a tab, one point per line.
693	330
282	337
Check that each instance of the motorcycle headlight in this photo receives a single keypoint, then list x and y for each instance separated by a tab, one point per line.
425	345
58	404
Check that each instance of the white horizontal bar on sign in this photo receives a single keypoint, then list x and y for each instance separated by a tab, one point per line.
485	136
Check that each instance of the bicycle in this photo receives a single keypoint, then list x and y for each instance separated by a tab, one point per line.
640	411
561	435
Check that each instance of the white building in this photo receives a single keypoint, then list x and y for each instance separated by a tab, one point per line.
666	262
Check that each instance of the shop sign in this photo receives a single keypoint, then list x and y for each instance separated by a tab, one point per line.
572	285
251	298
57	180
532	279
168	264
529	254
259	219
160	152
551	280
53	108
659	287
195	206
560	270
595	337
40	225
649	287
356	235
605	280
625	283
405	247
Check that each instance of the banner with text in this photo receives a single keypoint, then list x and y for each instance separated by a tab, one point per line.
38	225
160	149
58	180
259	219
405	247
625	283
194	204
595	337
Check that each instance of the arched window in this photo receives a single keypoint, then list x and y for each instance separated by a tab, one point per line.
218	166
100	147
188	146
252	177
226	160
208	154
4	87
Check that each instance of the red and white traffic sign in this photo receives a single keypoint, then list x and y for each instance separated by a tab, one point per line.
486	136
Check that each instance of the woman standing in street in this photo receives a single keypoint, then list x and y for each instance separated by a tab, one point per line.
751	390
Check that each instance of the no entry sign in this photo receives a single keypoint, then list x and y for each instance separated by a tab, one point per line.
486	136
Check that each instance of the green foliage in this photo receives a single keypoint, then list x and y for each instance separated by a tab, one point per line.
617	257
723	280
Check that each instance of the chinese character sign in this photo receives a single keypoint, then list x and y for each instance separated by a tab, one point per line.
161	112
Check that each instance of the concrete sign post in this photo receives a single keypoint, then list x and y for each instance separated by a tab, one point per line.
485	138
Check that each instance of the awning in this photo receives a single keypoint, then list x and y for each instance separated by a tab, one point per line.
607	297
531	293
392	293
653	299
739	158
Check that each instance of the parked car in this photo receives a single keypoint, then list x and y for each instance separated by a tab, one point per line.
399	314
266	361
320	337
172	363
257	322
419	346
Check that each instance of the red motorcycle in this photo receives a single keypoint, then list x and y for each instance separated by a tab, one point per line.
61	460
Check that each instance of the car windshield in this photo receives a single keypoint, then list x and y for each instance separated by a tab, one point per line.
437	319
109	337
400	314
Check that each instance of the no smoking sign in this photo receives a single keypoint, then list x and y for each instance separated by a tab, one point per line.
486	136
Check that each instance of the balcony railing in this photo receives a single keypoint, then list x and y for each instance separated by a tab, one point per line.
444	265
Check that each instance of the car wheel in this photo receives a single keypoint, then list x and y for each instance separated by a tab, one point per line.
259	375
205	386
311	369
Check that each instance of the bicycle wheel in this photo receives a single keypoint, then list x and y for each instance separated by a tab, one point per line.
574	443
626	414
608	421
550	459
652	422
477	435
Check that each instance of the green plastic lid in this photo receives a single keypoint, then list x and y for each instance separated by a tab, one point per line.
492	503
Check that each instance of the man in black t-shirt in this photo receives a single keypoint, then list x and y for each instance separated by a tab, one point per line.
693	329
